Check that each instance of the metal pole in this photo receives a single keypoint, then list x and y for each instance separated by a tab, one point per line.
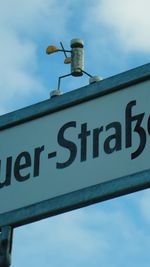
6	237
61	77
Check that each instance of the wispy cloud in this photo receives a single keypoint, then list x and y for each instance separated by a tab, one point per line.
22	24
84	237
126	20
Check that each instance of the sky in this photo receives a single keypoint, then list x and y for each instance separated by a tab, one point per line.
117	38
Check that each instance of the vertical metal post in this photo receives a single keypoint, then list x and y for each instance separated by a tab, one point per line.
6	237
61	78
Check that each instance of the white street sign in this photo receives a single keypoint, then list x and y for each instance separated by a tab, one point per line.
84	145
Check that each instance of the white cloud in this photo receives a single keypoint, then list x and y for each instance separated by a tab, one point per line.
126	21
83	237
32	17
22	25
66	234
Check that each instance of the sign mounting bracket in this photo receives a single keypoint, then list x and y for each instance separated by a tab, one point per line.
6	237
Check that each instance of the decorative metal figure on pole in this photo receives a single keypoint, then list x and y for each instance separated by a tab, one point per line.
76	60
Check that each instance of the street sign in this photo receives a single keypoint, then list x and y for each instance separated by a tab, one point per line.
83	147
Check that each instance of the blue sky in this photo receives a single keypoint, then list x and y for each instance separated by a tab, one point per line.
117	38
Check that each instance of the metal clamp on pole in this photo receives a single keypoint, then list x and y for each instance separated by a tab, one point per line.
6	237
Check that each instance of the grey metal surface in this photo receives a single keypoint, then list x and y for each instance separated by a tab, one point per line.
78	199
77	96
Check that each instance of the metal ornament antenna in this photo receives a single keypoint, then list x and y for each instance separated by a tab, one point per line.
76	60
63	49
